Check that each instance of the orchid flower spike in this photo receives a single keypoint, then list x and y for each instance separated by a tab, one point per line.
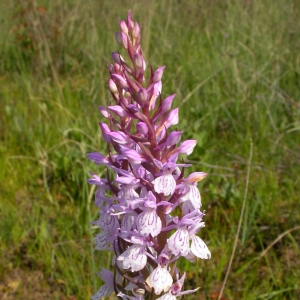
149	211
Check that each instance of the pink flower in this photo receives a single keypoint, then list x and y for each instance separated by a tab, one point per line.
166	183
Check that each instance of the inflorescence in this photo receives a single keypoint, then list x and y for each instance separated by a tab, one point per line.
149	212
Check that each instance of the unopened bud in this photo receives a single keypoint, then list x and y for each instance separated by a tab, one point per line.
133	156
105	132
167	104
125	101
136	31
196	177
124	40
173	117
118	110
132	108
119	81
104	112
127	95
142	128
158	74
173	138
138	61
117	58
143	95
117	68
119	137
111	69
187	147
123	27
112	86
155	93
129	20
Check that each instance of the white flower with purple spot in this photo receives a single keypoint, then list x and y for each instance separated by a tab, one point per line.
135	258
148	222
160	279
166	183
191	196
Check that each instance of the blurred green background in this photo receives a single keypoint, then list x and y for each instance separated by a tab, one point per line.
234	66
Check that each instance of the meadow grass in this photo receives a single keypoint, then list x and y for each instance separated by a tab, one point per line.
235	68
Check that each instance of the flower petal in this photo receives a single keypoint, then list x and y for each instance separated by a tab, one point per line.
160	279
167	297
165	184
178	243
191	257
194	196
105	290
199	248
127	225
148	222
107	276
103	241
134	258
108	222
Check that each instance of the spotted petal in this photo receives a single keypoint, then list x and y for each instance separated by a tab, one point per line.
108	222
178	243
148	222
160	279
194	196
165	184
134	258
199	248
127	225
103	241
